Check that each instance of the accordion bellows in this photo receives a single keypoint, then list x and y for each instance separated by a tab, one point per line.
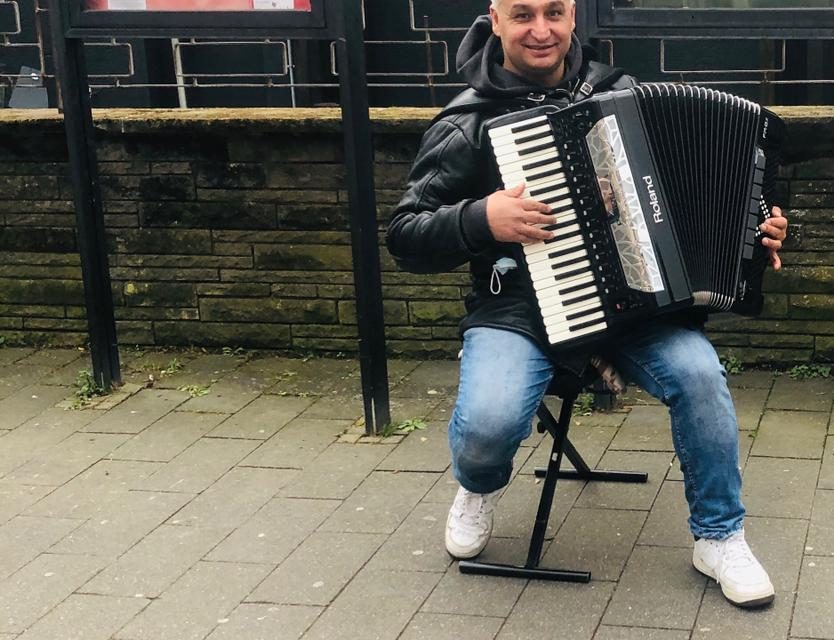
659	191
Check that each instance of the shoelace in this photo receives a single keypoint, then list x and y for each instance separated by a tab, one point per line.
737	553
472	510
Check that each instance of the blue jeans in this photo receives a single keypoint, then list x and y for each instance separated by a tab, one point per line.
503	377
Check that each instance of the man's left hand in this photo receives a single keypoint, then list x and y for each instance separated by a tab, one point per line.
776	230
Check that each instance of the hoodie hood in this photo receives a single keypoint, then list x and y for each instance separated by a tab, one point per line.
480	59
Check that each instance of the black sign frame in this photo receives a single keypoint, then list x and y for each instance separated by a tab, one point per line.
338	20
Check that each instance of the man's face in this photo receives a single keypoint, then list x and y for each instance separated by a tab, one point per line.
535	36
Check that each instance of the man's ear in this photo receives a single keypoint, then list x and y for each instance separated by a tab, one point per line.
573	16
493	14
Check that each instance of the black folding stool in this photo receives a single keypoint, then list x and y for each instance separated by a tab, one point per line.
567	387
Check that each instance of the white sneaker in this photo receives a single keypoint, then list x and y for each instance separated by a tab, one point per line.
469	524
743	579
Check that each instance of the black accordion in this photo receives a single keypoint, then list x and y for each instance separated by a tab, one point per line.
659	191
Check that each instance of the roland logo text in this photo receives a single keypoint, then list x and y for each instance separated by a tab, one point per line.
653	203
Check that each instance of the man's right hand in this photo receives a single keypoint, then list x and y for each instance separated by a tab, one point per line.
512	218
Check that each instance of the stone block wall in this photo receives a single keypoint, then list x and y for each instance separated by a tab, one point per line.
230	228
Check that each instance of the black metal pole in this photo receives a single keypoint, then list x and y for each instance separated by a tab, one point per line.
359	167
78	123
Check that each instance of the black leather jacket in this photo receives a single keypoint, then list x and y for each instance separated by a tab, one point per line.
440	223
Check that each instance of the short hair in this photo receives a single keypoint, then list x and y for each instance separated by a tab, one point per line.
494	3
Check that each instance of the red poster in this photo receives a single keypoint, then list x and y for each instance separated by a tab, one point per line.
198	5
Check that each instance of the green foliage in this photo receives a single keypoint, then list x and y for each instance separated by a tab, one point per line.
194	390
732	365
584	405
807	371
404	427
174	365
237	351
86	388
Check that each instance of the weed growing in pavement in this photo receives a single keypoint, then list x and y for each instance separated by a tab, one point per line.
194	390
807	371
403	427
86	388
732	365
584	405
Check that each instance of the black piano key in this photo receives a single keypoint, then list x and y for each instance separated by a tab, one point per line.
535	165
570	274
563	252
537	136
545	174
576	287
541	190
527	127
567	263
559	225
582	314
536	149
584	325
578	299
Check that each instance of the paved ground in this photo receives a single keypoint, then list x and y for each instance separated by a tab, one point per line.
234	498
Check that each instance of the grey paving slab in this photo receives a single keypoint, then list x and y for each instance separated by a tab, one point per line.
234	498
85	617
430	379
821	530
751	379
191	608
659	588
645	429
813	616
24	538
168	437
95	490
9	355
464	594
553	610
52	357
167	368
28	402
801	395
717	619
227	395
749	404
791	434
439	626
16	498
396	597
627	495
666	525
33	591
297	444
591	441
779	487
199	466
517	507
826	477
20	376
444	489
125	523
317	571
138	412
380	503
274	532
201	369
596	540
37	434
162	556
606	632
266	622
417	545
313	377
68	458
337	471
424	450
262	417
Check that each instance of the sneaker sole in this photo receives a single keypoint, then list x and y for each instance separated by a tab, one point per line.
736	599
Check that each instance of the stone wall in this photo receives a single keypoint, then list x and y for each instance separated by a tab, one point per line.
230	228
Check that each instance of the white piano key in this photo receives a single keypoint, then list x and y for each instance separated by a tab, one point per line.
514	161
543	287
562	262
554	307
508	128
558	324
543	131
518	176
535	248
563	336
555	193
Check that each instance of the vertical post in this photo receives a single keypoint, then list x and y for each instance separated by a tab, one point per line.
78	123
359	167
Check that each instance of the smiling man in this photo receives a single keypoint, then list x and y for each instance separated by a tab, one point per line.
454	211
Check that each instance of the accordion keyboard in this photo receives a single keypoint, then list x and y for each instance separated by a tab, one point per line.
560	269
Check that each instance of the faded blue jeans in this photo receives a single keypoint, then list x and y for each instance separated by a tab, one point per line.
503	377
